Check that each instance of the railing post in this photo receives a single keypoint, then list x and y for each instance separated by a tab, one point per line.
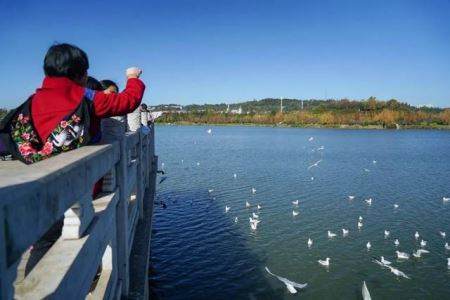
78	217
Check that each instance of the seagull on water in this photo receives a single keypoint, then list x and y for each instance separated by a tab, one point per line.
386	233
290	285
236	219
247	204
295	202
396	243
395	205
447	247
321	148
310	139
325	262
368	245
419	253
344	232
295	213
315	164
445	199
209	131
331	235
423	243
255	216
360	224
351	197
310	242
210	191
312	178
253	190
402	255
416	235
442	233
360	218
374	161
198	164
227	209
448	262
258	207
235	175
365	292
397	272
369	201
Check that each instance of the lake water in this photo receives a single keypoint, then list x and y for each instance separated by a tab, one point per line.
199	252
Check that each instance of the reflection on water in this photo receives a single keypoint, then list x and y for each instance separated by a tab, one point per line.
199	252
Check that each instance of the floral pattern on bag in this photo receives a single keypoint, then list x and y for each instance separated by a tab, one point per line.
68	135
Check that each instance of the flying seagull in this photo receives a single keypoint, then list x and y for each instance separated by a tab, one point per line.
291	285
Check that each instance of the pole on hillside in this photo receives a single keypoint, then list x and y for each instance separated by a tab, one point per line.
281	105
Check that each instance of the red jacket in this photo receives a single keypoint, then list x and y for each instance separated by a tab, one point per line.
60	96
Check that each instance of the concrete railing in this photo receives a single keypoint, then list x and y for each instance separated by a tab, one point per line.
91	258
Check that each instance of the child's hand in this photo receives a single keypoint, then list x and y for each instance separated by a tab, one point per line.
133	72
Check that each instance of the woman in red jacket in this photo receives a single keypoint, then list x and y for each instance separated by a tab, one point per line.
63	88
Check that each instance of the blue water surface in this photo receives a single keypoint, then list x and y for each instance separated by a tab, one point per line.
199	252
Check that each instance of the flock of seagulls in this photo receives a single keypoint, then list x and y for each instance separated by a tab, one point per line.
254	220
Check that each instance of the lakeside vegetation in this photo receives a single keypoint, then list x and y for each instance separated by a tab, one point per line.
370	113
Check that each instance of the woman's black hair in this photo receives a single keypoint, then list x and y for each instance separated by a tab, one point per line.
107	83
65	60
94	84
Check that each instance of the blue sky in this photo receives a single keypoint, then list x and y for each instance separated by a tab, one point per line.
210	51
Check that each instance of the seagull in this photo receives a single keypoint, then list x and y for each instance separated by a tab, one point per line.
368	245
395	205
310	242
419	253
374	161
325	262
360	224
396	242
423	243
385	262
360	218
295	202
321	148
209	131
416	235
344	232
290	285
198	164
331	235
310	139
397	272
255	216
227	208
162	165
294	213
235	175
254	223
445	199
442	233
402	255
312	178
351	197
386	233
369	201
367	170
448	262
365	292
447	247
210	191
236	219
258	207
315	164
253	190
247	204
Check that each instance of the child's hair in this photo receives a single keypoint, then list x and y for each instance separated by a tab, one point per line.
94	84
65	60
107	83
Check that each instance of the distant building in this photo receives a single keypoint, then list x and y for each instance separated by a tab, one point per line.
234	111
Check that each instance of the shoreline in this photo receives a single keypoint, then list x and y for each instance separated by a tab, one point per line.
312	126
